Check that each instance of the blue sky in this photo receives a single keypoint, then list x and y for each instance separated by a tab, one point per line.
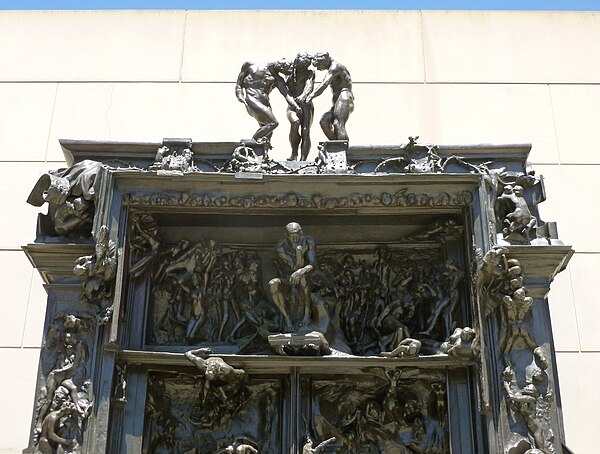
576	5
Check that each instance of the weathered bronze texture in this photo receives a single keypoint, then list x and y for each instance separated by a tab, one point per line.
295	81
383	299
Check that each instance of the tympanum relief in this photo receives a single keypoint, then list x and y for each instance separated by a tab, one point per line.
297	298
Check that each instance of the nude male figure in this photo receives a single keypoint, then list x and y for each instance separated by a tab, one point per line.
308	446
296	258
334	121
520	219
300	84
49	438
254	84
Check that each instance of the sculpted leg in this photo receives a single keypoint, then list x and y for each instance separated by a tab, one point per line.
327	125
305	297
265	131
307	117
341	112
294	134
276	287
264	115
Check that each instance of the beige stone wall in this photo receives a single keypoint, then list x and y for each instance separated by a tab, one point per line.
449	77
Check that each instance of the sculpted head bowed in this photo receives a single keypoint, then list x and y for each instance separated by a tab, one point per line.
321	60
293	232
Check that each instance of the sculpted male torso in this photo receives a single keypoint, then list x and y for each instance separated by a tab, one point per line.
338	78
254	84
296	258
300	84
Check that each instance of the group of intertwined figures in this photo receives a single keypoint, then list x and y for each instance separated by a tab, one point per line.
295	80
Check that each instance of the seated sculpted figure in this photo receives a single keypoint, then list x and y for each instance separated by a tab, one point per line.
518	221
296	260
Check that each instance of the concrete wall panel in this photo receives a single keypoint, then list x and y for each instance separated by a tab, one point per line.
509	46
586	288
25	116
574	404
18	376
580	372
563	314
577	116
36	313
475	113
18	226
91	46
570	192
375	46
15	281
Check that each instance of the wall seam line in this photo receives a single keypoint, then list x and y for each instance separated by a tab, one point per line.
575	309
27	309
181	59
554	125
423	47
51	122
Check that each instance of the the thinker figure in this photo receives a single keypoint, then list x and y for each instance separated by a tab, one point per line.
296	259
334	121
254	84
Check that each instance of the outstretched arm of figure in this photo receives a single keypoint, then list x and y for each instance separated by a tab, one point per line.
308	87
239	90
322	86
324	443
195	356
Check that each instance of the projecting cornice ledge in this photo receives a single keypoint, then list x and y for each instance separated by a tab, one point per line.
540	265
55	262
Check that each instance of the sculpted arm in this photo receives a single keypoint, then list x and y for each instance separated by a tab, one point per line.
324	443
310	259
239	90
53	436
198	361
283	258
308	87
322	86
282	87
311	254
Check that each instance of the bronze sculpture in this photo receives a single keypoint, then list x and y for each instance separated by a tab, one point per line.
296	259
333	122
295	81
300	84
518	220
392	275
219	377
254	84
309	449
